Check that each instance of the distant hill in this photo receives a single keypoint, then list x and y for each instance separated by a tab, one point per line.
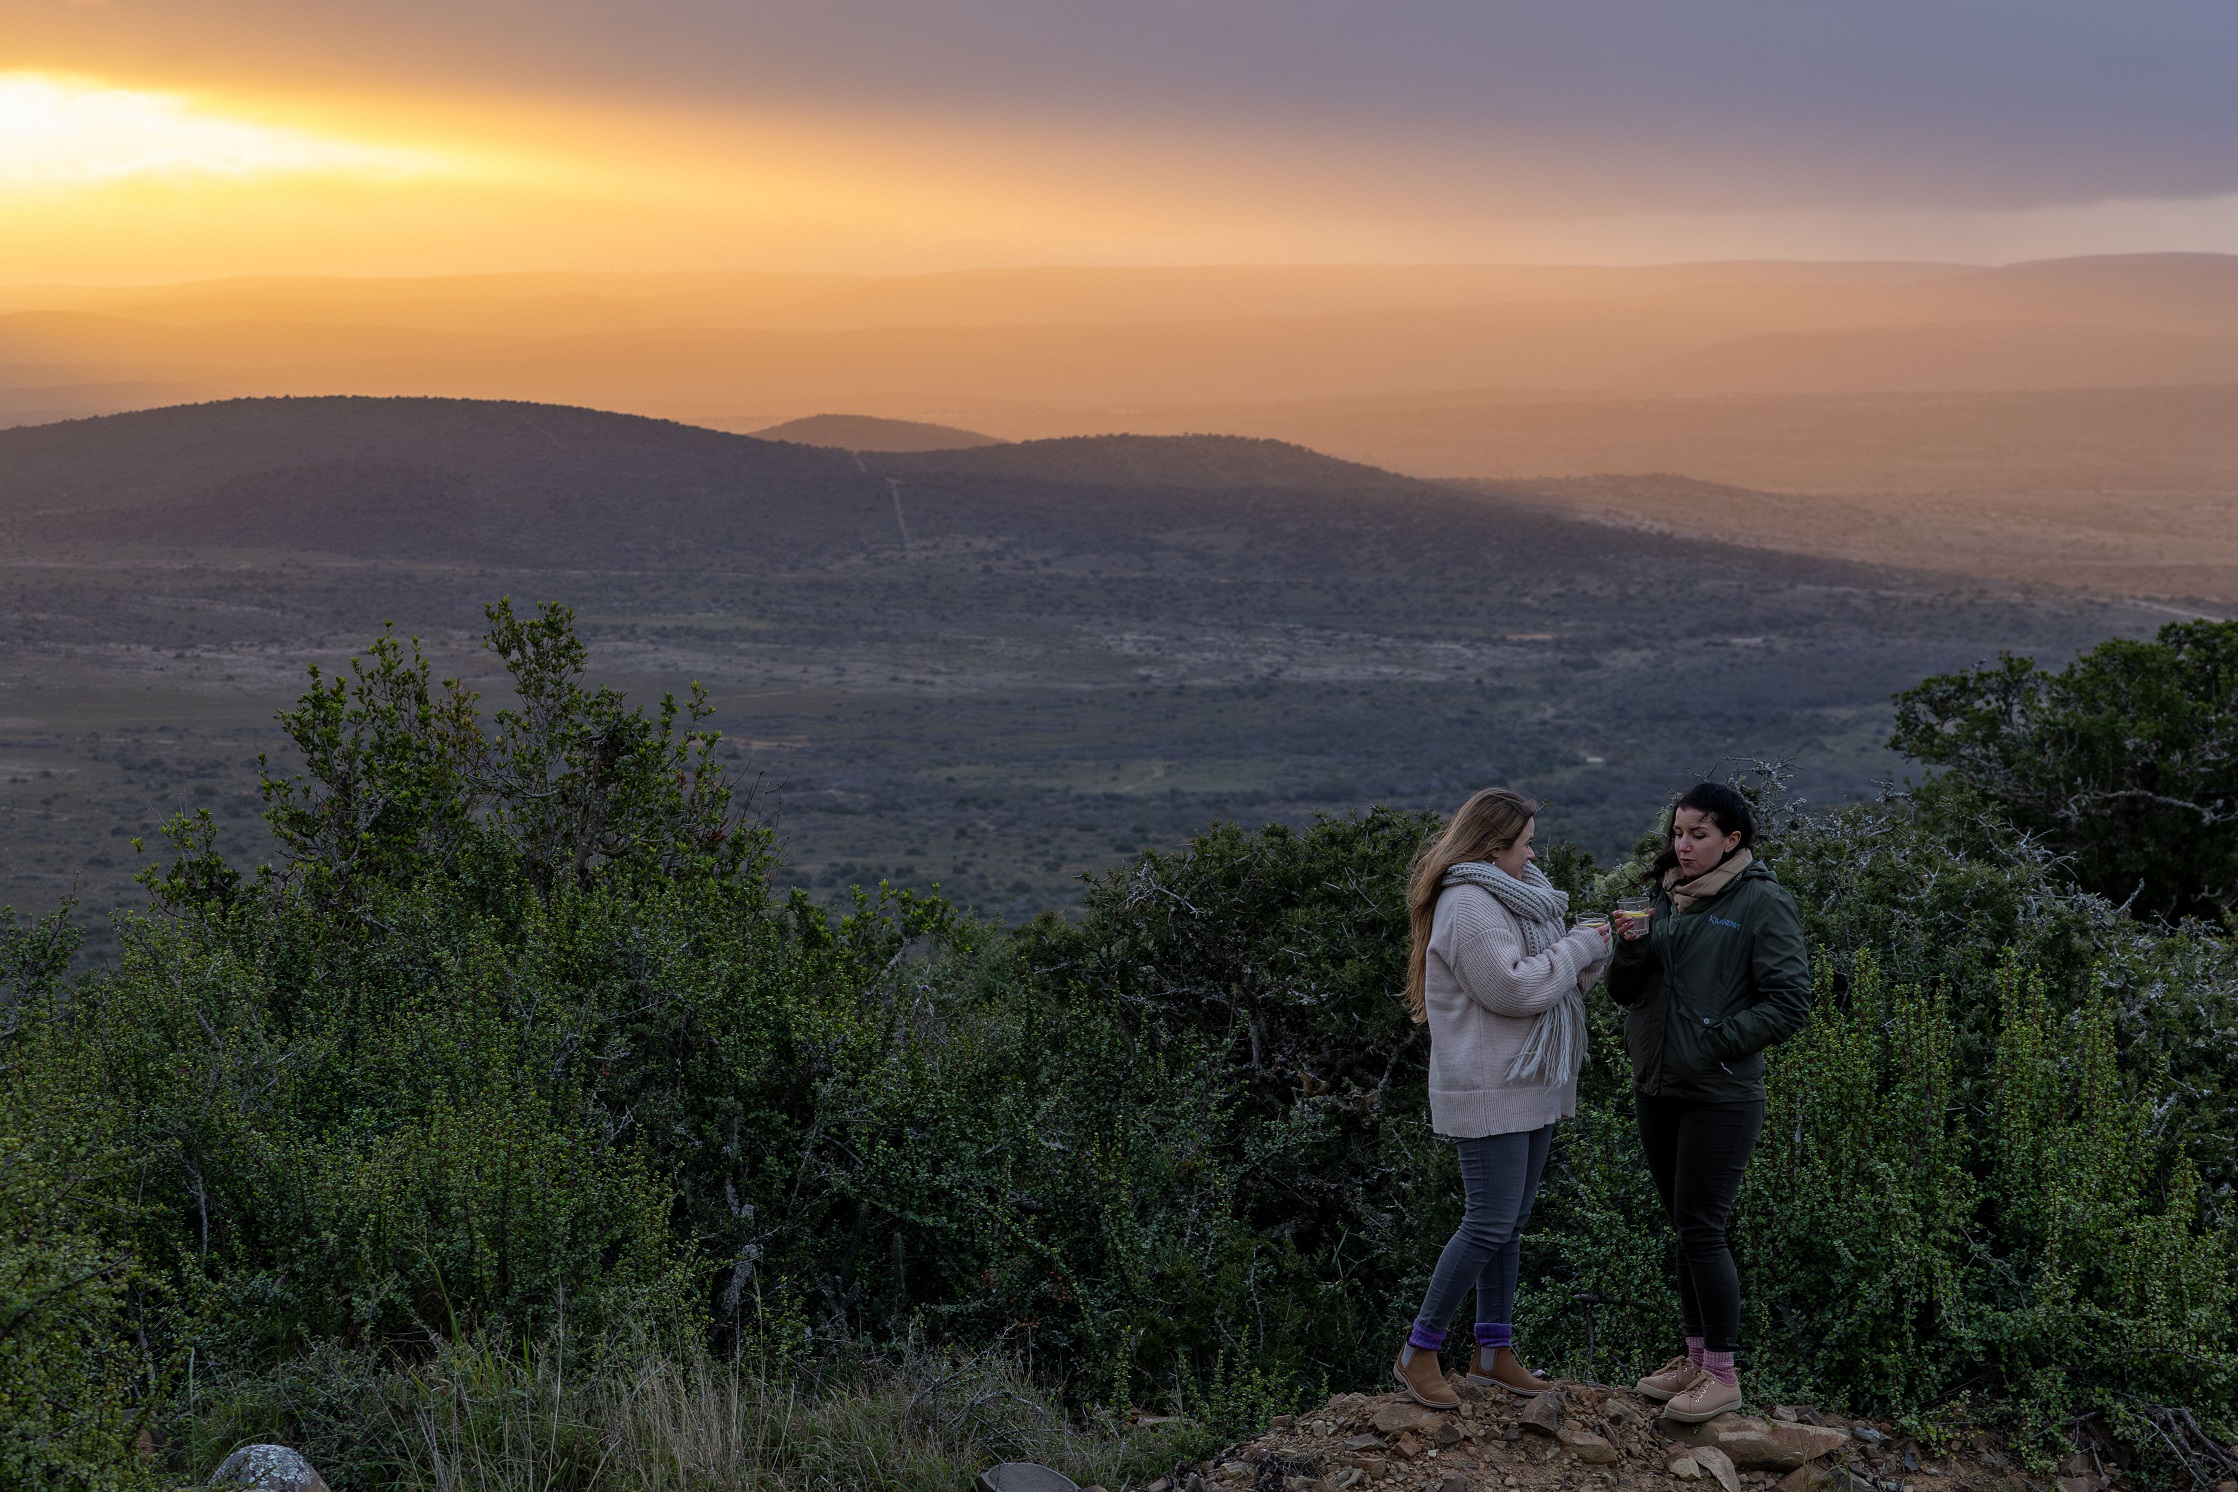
466	481
2113	373
432	478
867	432
453	481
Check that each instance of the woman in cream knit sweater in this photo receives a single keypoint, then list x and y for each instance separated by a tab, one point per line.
1501	983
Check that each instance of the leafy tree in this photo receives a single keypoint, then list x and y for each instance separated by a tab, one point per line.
568	788
2126	761
503	1035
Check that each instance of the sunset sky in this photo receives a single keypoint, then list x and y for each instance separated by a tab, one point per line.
164	139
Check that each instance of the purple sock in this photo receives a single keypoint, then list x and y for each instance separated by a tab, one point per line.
1490	1335
1719	1365
1694	1350
1423	1339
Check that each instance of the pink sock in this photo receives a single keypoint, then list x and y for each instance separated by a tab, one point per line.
1719	1365
1694	1350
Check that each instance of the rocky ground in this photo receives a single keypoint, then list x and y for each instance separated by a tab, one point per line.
1587	1437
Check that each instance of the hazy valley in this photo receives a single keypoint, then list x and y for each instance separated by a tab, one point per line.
2072	422
990	669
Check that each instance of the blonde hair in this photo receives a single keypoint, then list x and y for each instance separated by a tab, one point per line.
1491	821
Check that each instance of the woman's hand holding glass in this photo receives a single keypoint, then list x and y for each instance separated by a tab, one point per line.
1596	922
1632	913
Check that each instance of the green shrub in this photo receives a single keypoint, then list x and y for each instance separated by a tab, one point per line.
1943	893
2043	1254
74	1374
2126	760
1278	956
471	1103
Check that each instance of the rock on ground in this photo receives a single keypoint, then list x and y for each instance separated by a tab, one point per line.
1393	1419
1719	1465
268	1468
1766	1445
1588	1447
1543	1413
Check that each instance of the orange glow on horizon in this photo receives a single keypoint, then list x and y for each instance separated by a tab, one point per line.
57	133
148	179
119	182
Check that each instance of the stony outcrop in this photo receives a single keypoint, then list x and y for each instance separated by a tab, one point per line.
1584	1438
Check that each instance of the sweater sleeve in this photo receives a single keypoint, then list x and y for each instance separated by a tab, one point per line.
1780	965
1597	963
1485	952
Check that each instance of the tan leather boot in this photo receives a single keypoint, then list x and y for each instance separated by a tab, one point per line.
1500	1367
1421	1376
1672	1378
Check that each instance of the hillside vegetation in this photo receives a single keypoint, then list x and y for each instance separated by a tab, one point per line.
509	1126
991	670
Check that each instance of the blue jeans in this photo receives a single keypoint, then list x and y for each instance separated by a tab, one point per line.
1499	1179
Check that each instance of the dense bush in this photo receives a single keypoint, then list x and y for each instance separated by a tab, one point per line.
514	1053
2126	760
73	1370
1943	892
2040	1254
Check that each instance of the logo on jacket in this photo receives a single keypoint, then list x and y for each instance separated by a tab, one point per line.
1726	922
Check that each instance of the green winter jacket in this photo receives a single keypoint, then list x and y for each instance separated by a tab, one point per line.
1706	991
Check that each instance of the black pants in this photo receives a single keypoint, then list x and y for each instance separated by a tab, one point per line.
1697	1152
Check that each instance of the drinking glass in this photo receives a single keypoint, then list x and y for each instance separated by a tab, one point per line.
1632	913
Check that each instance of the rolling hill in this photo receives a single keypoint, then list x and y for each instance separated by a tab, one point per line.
2072	374
432	479
454	481
994	668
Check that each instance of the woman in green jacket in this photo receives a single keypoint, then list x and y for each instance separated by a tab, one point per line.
1713	975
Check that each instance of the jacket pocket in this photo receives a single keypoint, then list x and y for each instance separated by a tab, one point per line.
1691	1055
1729	1055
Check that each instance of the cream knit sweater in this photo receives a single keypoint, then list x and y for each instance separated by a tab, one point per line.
1482	993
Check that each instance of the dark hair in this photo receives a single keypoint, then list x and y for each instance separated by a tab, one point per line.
1724	806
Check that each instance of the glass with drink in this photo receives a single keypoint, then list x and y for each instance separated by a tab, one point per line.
1632	913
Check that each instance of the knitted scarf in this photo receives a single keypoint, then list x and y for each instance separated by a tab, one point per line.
1686	895
1555	1049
